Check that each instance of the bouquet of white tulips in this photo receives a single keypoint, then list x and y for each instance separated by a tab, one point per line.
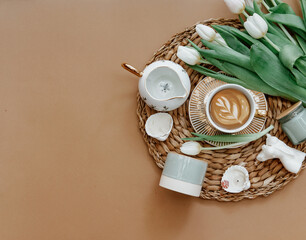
268	57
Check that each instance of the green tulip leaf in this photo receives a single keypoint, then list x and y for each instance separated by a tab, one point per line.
252	80
246	38
298	31
289	54
300	64
268	45
280	42
299	77
217	63
223	53
287	19
232	41
242	36
283	8
270	69
301	42
248	78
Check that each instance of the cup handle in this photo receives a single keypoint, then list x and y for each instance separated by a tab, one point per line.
261	113
131	69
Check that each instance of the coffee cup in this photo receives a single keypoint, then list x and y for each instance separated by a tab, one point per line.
242	105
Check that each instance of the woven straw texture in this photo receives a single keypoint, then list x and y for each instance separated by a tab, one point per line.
266	177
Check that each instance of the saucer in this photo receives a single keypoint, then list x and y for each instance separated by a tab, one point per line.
198	117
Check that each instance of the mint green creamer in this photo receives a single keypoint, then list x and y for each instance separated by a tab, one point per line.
293	122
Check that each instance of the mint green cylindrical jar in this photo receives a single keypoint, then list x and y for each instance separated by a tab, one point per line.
183	174
293	122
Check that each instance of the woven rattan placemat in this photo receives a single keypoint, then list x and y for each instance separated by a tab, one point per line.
266	177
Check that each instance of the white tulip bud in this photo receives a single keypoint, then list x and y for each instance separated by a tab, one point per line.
191	148
219	40
256	26
250	2
188	55
206	32
235	6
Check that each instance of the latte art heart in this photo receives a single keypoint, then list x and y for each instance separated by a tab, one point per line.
230	109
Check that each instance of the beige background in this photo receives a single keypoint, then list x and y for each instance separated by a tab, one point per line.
73	164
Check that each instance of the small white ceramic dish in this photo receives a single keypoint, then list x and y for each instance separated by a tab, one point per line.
163	85
235	179
159	126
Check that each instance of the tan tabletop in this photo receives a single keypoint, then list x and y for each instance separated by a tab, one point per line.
73	163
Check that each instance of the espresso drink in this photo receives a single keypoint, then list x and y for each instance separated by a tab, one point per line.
230	108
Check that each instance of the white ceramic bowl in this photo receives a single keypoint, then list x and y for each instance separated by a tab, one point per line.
159	126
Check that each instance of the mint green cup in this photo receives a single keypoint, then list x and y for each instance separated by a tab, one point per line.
183	174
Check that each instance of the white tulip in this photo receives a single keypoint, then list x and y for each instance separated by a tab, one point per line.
250	2
219	40
235	6
206	32
188	55
256	26
191	148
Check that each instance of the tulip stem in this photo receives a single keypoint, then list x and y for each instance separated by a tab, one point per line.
204	61
266	5
223	147
271	43
245	14
287	33
274	3
281	25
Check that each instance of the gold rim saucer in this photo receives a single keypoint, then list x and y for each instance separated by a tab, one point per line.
198	118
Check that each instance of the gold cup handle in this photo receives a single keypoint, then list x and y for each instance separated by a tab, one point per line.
261	113
131	69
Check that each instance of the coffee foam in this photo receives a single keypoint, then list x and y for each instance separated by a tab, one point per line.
230	108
